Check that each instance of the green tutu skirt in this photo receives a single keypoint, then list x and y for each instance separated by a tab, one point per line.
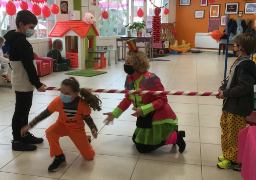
155	135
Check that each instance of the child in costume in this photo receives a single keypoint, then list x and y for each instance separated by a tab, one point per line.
156	121
73	111
4	62
238	95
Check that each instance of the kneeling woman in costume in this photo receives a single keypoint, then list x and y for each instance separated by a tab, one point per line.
156	121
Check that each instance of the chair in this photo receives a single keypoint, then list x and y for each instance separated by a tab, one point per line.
44	65
59	63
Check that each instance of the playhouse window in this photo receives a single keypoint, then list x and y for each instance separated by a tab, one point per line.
90	42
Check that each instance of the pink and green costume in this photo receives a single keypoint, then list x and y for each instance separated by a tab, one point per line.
164	121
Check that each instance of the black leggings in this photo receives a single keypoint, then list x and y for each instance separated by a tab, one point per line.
20	116
142	148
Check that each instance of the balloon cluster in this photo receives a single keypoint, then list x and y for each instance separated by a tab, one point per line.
36	9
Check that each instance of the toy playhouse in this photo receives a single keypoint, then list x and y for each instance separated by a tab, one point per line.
76	40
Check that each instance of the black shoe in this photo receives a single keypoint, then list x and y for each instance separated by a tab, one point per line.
57	163
22	146
237	167
180	141
30	138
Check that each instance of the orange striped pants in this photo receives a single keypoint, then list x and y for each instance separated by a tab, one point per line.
79	138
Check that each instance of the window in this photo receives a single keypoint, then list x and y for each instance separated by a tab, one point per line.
150	12
42	29
122	12
117	17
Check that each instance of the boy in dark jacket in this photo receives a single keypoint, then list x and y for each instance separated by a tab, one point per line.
24	78
238	95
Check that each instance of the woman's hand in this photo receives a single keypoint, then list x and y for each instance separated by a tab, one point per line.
94	133
24	130
109	119
138	112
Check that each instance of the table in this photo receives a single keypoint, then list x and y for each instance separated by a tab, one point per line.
145	40
247	152
98	64
109	49
223	43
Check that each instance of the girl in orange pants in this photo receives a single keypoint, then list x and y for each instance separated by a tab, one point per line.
73	111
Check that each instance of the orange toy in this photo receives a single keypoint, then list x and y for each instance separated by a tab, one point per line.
216	35
178	49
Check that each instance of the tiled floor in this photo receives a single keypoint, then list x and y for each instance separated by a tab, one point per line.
116	157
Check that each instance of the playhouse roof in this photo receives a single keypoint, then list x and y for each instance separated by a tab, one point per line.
81	28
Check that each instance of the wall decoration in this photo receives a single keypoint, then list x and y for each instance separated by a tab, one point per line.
250	8
184	2
157	6
214	24
204	3
223	20
231	8
64	7
93	2
240	13
214	10
199	14
211	1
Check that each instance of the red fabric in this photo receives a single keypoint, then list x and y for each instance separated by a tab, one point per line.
247	152
44	65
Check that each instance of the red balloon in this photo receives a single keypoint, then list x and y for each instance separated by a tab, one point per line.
174	32
36	10
157	11
10	8
23	5
211	1
46	11
140	13
55	9
105	15
166	11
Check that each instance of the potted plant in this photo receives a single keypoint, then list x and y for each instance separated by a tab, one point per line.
138	26
129	29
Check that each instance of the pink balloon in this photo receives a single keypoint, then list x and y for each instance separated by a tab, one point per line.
10	8
55	9
46	11
36	10
23	5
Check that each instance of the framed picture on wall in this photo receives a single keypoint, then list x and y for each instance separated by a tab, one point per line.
184	2
214	10
204	3
250	8
231	8
214	24
240	14
199	14
223	20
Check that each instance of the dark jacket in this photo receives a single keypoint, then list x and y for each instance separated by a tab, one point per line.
23	62
240	96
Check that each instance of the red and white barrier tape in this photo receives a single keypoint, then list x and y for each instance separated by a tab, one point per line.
187	93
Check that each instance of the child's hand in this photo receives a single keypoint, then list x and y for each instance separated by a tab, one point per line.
42	88
24	130
220	96
138	112
109	119
94	133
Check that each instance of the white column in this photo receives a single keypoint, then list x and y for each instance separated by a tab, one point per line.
172	11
